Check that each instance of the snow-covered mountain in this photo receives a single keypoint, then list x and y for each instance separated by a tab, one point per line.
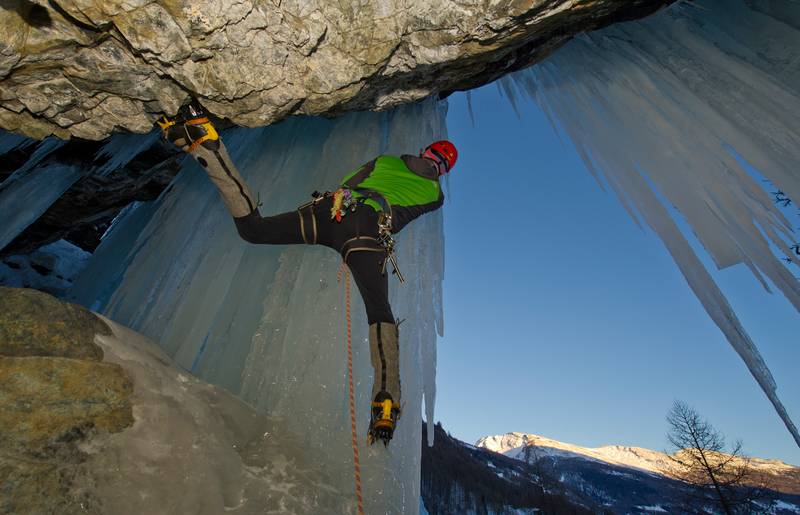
531	447
519	473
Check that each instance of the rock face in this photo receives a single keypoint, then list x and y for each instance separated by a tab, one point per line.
95	419
35	324
56	394
88	68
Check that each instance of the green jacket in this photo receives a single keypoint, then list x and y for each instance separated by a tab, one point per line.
409	184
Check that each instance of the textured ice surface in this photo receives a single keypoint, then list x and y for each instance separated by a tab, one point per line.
267	322
196	449
664	110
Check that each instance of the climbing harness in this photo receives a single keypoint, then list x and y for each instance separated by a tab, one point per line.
307	211
356	464
343	203
442	152
385	238
208	127
360	244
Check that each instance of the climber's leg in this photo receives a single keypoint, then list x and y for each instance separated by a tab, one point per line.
279	229
383	342
194	133
372	283
214	158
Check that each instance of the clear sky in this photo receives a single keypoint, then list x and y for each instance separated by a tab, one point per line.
563	318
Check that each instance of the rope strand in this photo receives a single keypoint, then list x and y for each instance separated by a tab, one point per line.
356	463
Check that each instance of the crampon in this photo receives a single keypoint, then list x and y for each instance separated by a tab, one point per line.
383	419
189	128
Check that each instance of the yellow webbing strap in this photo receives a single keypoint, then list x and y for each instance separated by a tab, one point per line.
210	135
308	207
387	409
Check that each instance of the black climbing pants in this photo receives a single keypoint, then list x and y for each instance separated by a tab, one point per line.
312	224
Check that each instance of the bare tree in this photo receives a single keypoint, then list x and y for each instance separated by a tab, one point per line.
531	455
724	479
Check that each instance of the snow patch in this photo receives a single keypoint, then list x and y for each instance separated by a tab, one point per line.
529	447
782	505
51	268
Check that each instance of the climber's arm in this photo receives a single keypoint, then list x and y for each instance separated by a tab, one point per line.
402	215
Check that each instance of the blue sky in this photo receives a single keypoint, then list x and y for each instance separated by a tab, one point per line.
564	318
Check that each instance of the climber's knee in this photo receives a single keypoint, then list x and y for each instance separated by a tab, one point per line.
379	312
248	227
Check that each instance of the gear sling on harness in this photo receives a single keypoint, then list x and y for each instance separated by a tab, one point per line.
342	203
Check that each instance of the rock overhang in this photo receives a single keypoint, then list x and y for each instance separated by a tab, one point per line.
87	69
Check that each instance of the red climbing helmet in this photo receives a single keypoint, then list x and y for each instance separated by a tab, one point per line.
443	152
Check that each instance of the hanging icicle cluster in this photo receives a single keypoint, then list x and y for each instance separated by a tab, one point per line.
693	108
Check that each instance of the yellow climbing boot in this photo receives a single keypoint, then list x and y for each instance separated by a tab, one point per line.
383	418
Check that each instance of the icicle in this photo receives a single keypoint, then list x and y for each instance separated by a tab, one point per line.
469	108
666	110
507	86
31	189
25	198
44	149
10	141
121	149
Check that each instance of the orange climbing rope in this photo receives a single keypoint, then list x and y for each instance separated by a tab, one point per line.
356	464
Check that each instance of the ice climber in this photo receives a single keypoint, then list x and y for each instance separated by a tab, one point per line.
357	220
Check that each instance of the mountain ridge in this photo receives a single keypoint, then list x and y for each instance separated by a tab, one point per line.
458	477
530	447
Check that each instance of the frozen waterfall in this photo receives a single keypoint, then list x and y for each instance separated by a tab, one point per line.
692	108
267	322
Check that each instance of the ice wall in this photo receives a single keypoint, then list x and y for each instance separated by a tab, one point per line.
30	190
267	322
683	115
27	193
